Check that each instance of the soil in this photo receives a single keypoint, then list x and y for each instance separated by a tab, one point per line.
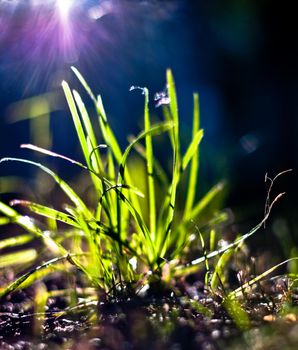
163	319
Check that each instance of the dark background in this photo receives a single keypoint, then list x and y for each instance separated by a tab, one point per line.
240	55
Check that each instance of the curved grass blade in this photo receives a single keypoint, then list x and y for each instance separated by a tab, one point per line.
108	135
80	132
83	138
29	226
248	284
84	83
76	120
63	185
220	268
52	154
173	108
14	285
47	212
193	265
154	130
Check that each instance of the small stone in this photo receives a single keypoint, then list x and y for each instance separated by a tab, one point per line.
290	318
96	342
269	318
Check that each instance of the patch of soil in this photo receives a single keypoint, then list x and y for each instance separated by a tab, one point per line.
161	320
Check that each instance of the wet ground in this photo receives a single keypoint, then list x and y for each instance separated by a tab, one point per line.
165	320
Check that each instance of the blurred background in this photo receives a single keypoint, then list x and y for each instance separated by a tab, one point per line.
240	55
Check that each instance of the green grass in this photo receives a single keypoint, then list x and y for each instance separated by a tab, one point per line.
128	237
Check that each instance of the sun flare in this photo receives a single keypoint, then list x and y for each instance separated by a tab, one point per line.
64	7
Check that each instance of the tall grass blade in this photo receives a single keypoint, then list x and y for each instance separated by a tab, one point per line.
94	156
164	233
150	160
194	167
84	83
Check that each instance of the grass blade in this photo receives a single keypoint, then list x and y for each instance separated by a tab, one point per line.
14	285
194	168
15	241
220	269
63	185
154	130
47	212
149	158
84	83
192	149
97	163
202	204
29	226
189	267
164	232
17	258
248	284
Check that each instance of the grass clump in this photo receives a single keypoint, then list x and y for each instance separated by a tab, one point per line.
119	239
129	238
